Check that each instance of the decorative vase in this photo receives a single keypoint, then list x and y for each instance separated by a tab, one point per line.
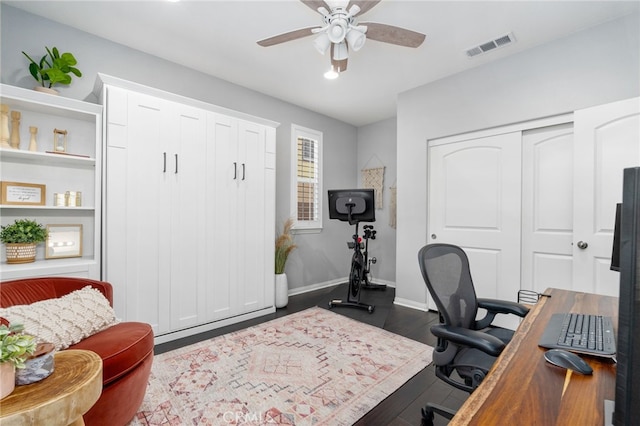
21	252
46	90
33	143
282	290
38	366
7	378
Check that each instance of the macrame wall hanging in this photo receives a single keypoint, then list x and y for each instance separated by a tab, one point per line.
374	178
392	206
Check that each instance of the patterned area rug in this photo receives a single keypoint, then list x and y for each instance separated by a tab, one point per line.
313	367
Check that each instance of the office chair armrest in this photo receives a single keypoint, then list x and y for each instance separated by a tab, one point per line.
474	339
503	307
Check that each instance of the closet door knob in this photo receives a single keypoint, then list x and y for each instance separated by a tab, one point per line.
582	245
243	170
164	160
235	170
176	163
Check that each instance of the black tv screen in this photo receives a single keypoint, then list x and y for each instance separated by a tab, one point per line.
360	201
627	406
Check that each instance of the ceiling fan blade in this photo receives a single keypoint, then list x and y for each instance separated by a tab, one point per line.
315	4
394	35
364	5
291	35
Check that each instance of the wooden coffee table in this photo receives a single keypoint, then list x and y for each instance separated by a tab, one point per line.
60	399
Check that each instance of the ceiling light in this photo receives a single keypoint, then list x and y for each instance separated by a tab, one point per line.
337	30
356	38
331	74
340	51
322	43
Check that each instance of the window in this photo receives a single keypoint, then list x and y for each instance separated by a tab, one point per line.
306	166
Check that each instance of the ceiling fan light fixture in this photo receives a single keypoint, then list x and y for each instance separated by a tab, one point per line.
337	30
322	43
340	51
356	38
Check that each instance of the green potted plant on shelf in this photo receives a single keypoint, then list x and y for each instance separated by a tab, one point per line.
284	247
53	68
15	348
21	238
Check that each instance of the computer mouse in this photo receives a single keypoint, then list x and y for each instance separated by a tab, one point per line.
569	360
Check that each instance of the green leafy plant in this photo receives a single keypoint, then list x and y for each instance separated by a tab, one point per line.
23	231
15	347
284	246
53	68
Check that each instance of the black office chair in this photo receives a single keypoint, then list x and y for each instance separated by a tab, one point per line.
465	345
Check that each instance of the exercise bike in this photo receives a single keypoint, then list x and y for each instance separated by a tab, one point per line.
369	234
354	206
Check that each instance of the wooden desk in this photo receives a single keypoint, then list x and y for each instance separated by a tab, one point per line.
522	388
60	399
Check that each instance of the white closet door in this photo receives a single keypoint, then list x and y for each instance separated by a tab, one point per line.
474	202
222	216
607	139
251	212
146	224
547	208
188	186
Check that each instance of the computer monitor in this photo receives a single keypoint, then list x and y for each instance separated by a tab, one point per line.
352	205
627	409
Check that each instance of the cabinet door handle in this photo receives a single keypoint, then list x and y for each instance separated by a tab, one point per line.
242	171
164	160
176	163
235	170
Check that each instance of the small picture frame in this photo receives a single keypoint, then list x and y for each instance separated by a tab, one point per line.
19	193
63	241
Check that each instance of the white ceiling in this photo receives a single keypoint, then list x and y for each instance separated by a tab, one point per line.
219	38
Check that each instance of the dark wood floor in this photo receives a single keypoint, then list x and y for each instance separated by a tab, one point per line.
403	406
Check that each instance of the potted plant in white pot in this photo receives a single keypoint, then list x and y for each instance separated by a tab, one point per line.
21	238
284	247
53	68
15	348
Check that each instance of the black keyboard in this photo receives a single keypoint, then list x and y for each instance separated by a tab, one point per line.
583	333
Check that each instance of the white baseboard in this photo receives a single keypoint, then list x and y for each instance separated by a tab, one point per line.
331	283
410	304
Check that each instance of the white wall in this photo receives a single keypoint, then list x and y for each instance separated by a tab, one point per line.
592	67
317	259
376	148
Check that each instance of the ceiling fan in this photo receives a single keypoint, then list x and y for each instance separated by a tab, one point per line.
340	31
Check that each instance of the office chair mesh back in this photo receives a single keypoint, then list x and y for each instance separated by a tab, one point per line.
445	269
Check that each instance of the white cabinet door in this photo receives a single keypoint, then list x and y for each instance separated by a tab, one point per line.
607	139
222	220
242	215
188	189
251	215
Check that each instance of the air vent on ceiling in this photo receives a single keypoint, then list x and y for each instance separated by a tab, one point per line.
491	45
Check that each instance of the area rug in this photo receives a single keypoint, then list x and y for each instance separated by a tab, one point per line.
314	367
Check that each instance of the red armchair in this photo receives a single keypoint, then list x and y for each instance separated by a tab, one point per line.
126	348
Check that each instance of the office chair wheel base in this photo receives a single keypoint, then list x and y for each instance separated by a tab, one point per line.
427	417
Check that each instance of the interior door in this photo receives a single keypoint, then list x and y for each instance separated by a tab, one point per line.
607	139
474	202
547	208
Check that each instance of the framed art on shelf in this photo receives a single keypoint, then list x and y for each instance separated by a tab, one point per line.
19	193
63	241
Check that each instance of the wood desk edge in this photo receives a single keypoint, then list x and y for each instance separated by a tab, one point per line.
476	400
